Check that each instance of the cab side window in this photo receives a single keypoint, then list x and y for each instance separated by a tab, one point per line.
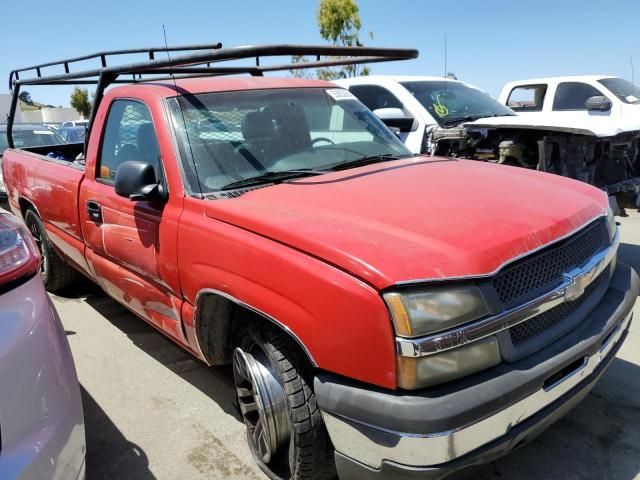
527	98
573	95
129	135
374	96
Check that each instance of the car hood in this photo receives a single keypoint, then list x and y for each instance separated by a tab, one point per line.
416	219
598	124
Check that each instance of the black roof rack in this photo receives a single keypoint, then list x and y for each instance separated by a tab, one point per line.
192	61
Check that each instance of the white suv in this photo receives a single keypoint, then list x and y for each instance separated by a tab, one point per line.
75	123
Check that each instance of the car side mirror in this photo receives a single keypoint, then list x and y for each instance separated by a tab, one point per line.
598	102
395	118
137	181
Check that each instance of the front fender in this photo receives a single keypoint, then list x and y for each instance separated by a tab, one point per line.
339	320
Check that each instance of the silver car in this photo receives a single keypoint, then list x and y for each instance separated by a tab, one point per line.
41	421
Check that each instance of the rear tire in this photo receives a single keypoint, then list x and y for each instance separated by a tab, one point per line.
291	409
56	274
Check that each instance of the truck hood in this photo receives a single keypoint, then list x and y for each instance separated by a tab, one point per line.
597	124
416	219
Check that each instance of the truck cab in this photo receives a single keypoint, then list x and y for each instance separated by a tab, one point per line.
415	105
595	103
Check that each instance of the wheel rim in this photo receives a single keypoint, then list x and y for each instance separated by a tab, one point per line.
262	403
34	229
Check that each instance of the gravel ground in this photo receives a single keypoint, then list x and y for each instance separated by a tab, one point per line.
152	412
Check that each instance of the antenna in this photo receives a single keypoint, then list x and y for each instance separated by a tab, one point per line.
445	55
632	79
184	121
445	72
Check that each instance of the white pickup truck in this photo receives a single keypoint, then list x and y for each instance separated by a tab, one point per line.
587	128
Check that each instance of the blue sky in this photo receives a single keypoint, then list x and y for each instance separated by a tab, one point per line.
489	42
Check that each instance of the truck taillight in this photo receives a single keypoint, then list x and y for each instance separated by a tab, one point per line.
19	254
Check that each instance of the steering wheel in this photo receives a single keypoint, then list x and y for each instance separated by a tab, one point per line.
322	139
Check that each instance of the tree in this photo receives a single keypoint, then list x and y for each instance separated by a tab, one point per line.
300	72
80	101
339	23
25	97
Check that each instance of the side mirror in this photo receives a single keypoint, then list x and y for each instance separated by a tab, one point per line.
394	118
598	102
137	181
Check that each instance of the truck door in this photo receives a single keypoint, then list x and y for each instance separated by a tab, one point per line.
569	106
375	97
132	245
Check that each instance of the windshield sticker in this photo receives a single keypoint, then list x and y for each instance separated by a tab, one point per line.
632	98
43	132
440	109
340	94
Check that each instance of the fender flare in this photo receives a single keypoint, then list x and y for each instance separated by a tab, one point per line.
203	293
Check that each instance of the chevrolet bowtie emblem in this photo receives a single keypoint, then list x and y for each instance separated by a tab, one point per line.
579	279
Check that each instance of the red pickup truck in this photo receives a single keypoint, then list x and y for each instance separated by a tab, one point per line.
387	315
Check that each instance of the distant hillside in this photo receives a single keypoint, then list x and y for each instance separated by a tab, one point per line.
29	107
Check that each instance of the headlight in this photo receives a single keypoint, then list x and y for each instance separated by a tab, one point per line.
432	310
611	223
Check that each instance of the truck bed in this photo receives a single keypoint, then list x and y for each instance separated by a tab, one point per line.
51	186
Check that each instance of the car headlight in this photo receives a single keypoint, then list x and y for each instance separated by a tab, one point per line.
431	310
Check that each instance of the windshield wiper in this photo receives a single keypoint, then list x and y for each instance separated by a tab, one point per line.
359	162
272	177
458	120
471	118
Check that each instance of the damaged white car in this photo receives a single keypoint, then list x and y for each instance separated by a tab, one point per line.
587	128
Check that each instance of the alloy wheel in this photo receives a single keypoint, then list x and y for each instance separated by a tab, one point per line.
262	403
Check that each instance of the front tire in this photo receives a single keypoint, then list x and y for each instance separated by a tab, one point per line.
56	274
285	430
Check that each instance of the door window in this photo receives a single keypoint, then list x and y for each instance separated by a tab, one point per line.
573	95
374	96
527	98
129	135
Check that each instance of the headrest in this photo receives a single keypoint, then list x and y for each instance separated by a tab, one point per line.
257	126
147	142
292	123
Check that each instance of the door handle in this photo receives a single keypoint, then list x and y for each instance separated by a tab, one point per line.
94	210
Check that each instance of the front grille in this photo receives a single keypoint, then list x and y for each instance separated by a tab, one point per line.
534	327
529	277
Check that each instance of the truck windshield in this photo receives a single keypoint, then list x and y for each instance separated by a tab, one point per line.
623	89
234	138
451	102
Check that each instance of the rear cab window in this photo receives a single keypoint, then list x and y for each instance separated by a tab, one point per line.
527	98
375	97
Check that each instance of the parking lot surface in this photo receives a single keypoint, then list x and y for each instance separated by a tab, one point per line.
153	412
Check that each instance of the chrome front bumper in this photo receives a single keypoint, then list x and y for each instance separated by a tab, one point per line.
566	378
